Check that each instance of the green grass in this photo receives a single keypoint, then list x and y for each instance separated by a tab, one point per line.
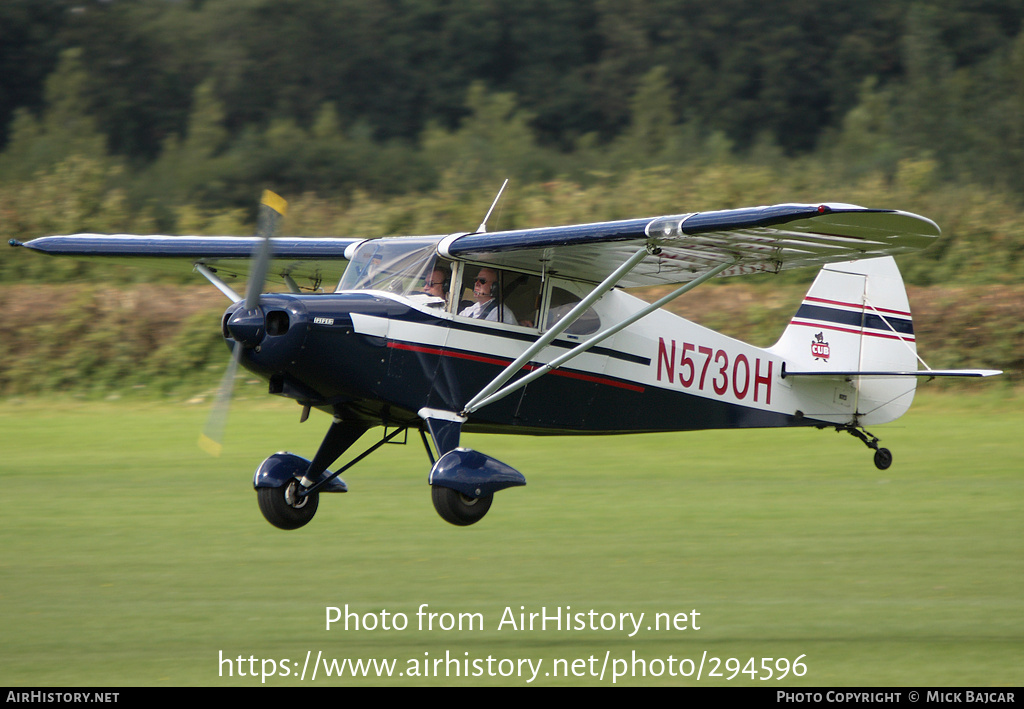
128	557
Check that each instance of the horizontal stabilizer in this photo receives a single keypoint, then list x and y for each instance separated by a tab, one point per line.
913	373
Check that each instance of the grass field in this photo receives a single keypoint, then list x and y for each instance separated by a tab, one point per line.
128	557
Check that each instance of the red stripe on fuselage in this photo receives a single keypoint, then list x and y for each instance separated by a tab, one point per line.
473	357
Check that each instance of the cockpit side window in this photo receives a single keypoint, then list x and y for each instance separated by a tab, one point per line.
498	295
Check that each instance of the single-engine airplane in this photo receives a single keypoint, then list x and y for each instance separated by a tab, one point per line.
528	331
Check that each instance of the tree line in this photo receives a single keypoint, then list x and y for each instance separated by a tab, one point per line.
404	116
206	97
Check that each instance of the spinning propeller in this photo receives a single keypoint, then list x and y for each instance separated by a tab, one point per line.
246	325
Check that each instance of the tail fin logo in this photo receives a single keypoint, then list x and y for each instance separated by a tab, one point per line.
819	348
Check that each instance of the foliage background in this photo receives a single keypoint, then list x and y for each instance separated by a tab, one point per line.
404	116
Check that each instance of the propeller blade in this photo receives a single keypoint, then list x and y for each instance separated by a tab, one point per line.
272	210
210	440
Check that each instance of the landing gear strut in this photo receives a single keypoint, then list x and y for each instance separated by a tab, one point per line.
883	456
288	487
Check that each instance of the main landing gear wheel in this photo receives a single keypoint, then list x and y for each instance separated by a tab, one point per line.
283	508
459	509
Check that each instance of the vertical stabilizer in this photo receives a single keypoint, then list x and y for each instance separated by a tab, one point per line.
855	318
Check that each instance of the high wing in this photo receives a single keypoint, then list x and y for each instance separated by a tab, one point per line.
682	247
309	261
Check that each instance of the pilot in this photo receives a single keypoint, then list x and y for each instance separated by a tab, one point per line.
435	283
487	304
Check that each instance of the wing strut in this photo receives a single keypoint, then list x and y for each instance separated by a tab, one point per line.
220	285
606	285
491	393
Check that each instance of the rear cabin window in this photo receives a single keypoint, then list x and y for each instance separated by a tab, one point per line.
562	301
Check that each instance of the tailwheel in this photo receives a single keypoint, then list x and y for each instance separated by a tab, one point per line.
457	508
883	456
284	508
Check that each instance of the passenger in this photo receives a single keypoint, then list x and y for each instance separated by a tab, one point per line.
487	297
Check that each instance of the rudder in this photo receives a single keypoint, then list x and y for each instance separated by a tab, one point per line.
855	318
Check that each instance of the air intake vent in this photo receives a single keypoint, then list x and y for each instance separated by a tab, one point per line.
277	323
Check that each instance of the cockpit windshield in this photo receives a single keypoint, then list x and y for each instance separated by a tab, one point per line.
395	265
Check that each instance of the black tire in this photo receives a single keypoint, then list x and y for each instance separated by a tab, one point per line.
458	509
883	458
276	504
